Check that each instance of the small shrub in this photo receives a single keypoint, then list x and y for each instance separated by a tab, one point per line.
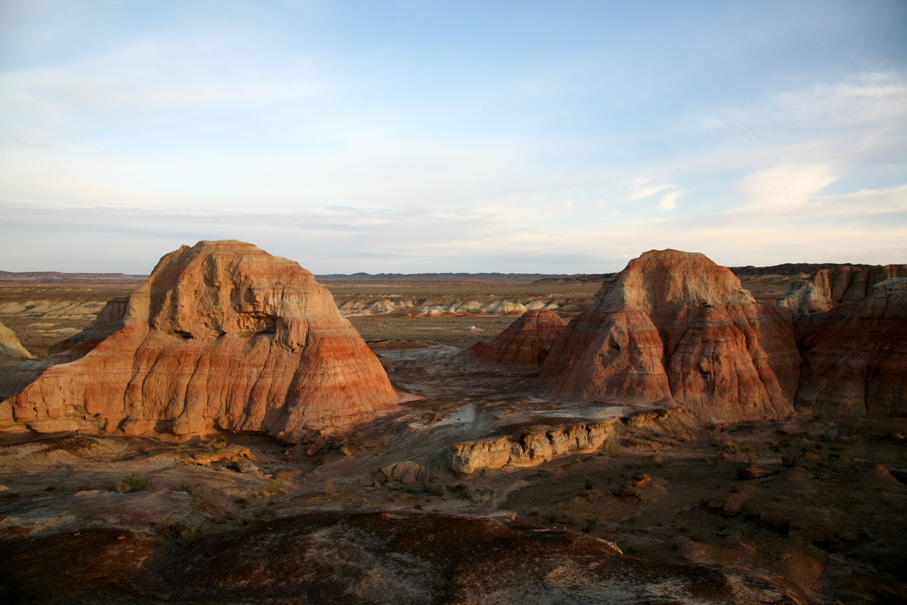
242	501
658	460
808	446
610	449
187	536
462	490
330	490
182	488
750	454
409	489
221	439
134	482
631	442
437	490
271	489
730	448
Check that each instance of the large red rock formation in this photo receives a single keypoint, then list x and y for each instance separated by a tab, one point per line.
223	335
523	345
855	361
677	329
10	347
828	287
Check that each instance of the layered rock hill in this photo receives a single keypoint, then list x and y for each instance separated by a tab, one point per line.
855	361
828	287
222	335
677	329
10	347
523	345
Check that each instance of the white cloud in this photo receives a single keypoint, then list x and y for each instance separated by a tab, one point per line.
786	186
669	200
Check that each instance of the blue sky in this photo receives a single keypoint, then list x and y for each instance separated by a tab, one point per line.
452	136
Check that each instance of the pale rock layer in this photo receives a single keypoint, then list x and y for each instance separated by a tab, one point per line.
10	347
677	329
528	449
222	335
828	287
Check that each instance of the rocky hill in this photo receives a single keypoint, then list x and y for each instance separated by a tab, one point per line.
677	329
525	344
222	335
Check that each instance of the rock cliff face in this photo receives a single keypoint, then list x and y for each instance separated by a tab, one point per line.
529	449
855	361
221	334
10	347
523	345
677	329
827	287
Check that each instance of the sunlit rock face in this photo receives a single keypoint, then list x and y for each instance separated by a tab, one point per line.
523	345
221	334
10	347
855	360
677	329
828	287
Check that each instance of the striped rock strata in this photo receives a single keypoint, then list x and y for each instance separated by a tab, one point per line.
221	335
855	361
677	329
523	345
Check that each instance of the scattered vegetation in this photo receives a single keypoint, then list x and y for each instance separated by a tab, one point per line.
272	489
461	490
133	482
750	454
187	536
610	449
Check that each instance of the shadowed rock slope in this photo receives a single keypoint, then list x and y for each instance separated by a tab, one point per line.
367	557
222	335
677	329
523	345
855	361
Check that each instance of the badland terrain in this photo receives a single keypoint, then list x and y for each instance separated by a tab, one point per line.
232	429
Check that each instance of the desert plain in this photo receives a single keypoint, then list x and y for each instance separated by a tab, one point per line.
487	474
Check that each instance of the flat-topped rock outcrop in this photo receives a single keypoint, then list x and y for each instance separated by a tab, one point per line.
530	448
523	345
221	334
675	329
855	361
828	287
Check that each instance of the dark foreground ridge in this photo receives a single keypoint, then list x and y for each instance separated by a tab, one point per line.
356	557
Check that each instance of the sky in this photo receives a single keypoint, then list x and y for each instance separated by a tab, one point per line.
432	136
